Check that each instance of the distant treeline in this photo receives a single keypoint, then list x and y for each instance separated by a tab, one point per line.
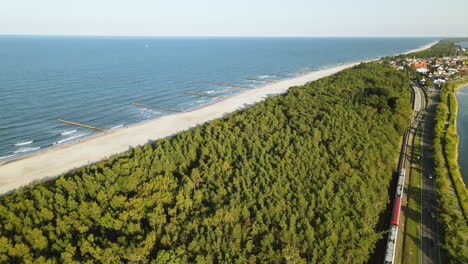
298	178
443	48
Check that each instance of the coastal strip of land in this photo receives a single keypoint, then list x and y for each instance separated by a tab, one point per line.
452	144
60	160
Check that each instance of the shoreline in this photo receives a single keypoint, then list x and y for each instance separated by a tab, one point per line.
456	89
452	148
54	162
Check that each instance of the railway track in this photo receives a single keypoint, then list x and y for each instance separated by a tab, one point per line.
394	249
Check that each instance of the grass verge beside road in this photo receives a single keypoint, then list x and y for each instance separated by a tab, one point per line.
412	239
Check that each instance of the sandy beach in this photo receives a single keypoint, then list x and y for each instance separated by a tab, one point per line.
57	161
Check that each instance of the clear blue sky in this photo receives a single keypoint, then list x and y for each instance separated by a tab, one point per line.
235	17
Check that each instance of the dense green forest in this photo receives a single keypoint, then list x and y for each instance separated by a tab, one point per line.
298	178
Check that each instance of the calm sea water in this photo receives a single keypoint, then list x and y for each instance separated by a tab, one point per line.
94	80
462	127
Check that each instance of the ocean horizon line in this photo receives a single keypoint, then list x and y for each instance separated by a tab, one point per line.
224	36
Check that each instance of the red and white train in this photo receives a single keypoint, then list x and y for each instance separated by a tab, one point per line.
392	235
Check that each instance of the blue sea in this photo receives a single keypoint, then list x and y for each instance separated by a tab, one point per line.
94	80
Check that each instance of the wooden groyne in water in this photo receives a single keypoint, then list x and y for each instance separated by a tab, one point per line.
199	94
157	107
81	125
236	86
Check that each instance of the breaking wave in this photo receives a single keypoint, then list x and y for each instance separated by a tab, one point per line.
68	132
24	143
22	150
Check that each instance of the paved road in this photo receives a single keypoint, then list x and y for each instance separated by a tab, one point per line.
429	228
418	98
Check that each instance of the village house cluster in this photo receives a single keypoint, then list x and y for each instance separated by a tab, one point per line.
439	70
